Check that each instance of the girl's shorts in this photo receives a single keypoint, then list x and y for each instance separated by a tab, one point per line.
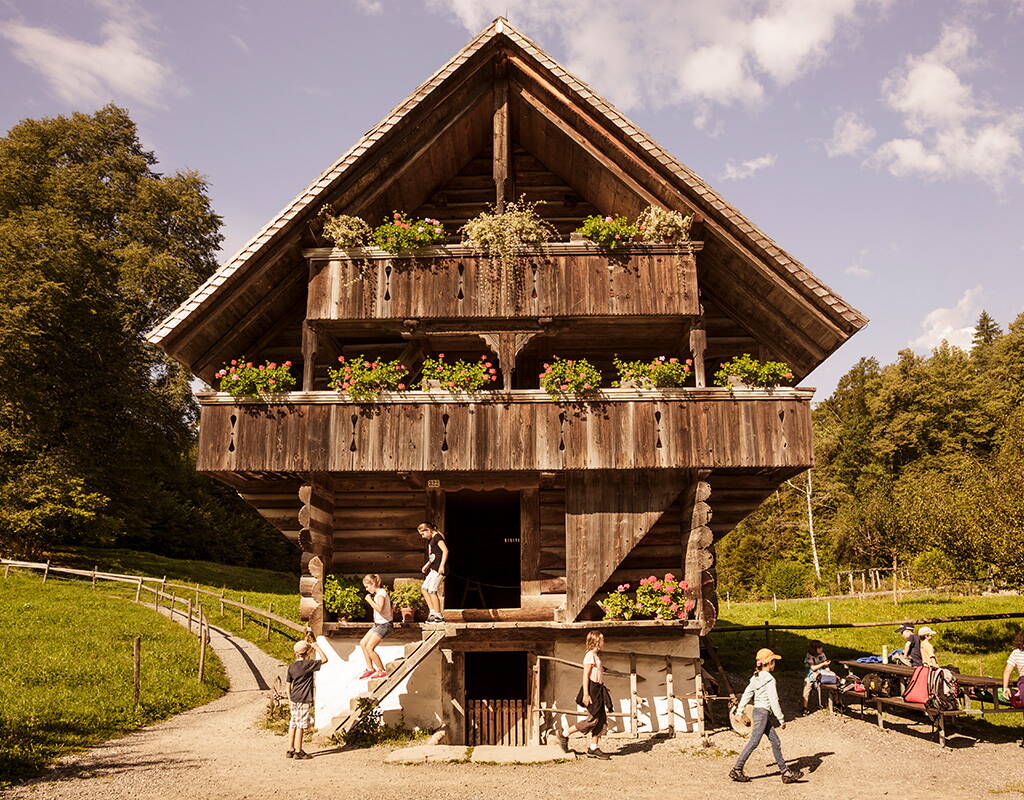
383	629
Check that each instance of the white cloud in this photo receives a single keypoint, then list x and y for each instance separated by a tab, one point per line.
737	172
857	268
850	135
370	6
724	53
122	66
953	131
954	325
239	42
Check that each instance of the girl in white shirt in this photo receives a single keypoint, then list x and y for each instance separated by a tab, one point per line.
377	598
594	697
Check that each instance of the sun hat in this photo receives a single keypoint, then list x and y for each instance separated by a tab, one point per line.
764	655
926	631
301	648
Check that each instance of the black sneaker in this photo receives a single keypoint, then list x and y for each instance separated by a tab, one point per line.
738	776
597	753
290	754
791	776
302	754
563	742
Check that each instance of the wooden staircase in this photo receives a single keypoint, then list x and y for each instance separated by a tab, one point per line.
378	690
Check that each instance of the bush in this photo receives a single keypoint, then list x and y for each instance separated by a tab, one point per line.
408	595
609	232
570	377
932	568
242	378
343	230
401	232
753	372
660	226
344	596
364	380
461	376
788	579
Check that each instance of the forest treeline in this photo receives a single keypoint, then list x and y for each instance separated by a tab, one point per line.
97	428
920	460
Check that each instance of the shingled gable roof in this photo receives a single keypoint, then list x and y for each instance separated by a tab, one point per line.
844	319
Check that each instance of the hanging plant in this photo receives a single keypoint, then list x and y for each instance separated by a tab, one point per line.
749	371
570	378
657	225
502	238
364	380
611	233
660	373
242	378
343	230
460	376
402	232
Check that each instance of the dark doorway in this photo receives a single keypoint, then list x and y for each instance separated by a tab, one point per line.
482	533
497	690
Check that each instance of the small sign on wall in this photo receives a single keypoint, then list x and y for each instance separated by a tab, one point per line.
434	484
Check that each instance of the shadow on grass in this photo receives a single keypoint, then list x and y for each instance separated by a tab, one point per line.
983	639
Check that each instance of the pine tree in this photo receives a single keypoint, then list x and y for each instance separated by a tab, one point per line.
986	331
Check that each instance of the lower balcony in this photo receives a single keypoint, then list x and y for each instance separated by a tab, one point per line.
322	432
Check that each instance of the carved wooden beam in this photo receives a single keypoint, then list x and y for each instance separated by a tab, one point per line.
507	345
698	550
501	138
316	540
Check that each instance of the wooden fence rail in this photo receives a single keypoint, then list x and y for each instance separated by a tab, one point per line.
931	621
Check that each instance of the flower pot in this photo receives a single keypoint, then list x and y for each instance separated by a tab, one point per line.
408	614
632	383
737	382
432	385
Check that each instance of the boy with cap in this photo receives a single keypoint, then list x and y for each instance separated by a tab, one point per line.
300	694
767	715
912	648
927	648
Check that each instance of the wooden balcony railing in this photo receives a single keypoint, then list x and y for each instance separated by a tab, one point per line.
507	431
568	279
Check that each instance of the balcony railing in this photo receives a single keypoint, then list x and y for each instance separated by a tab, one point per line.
568	279
507	431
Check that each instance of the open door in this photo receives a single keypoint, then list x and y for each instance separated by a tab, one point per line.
482	533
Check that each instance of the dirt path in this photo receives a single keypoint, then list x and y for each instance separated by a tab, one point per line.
217	751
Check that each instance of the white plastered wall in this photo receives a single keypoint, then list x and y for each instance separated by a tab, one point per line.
415	703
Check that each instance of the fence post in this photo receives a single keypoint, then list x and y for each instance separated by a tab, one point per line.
190	615
197	594
767	633
7	570
136	668
47	570
698	690
156	600
270	610
202	645
222	601
94	567
728	602
670	696
775	601
163	584
538	714
241	614
829	606
634	727
174	604
895	595
138	590
850	576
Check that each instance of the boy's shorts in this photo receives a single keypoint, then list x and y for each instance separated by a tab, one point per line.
432	582
301	715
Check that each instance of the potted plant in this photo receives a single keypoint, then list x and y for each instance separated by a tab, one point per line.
611	233
402	232
362	379
459	376
570	378
659	373
747	372
343	597
242	378
344	231
657	225
408	598
618	604
664	598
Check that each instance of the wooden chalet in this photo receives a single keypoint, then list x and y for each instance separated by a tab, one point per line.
545	505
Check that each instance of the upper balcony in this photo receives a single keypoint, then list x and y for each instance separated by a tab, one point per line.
562	279
521	430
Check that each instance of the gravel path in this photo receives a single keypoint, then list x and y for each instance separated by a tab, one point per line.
217	751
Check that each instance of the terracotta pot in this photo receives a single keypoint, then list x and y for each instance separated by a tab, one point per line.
408	614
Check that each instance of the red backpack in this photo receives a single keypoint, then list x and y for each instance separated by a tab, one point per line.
917	686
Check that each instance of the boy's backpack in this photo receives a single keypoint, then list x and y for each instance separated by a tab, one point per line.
917	686
876	686
942	691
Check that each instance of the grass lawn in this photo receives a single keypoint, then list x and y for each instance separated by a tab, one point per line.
66	672
261	588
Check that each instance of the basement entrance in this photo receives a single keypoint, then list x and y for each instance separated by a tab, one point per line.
497	691
482	533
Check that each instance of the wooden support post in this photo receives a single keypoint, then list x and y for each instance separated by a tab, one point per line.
136	669
698	344
222	601
942	730
895	591
174	604
728	601
500	135
670	696
7	570
767	634
163	584
850	576
863	583
881	715
270	610
775	602
310	350
698	549
829	607
241	614
156	600
46	571
197	594
94	568
203	636
138	590
538	714
634	696
190	615
316	541
698	691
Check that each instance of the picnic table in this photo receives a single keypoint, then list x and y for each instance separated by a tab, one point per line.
982	682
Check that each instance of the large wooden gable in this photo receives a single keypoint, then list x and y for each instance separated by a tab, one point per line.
435	154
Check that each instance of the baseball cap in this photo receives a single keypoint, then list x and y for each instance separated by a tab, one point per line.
300	648
764	655
926	631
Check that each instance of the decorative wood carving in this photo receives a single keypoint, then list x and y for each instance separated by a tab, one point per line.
316	540
699	551
507	345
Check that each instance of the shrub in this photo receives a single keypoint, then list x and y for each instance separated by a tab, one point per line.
664	598
660	226
401	232
408	595
788	579
932	568
753	372
343	230
364	380
661	372
242	378
461	376
618	604
609	232
570	377
344	596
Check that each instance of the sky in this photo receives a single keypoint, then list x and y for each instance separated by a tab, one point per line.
880	142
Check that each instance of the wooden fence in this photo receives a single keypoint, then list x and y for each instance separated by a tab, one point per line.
501	722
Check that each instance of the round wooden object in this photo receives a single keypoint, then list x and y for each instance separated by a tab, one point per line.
740	723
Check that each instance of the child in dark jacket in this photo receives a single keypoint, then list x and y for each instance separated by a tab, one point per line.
300	694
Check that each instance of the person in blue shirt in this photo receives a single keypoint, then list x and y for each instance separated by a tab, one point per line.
767	715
